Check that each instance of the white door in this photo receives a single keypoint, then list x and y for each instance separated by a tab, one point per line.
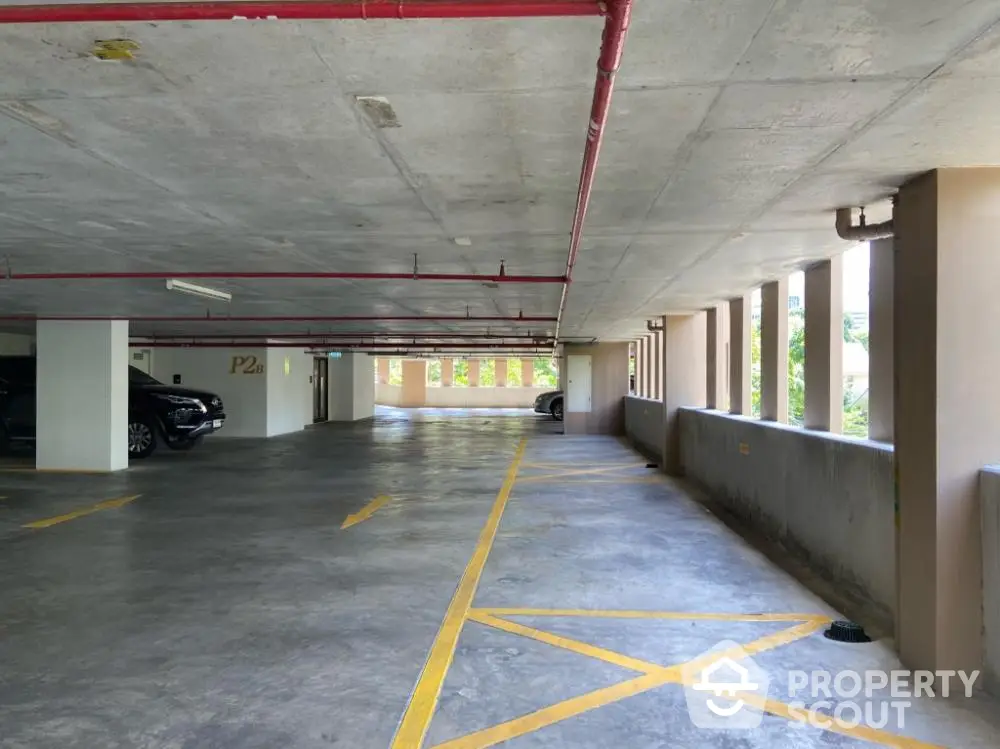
142	359
578	384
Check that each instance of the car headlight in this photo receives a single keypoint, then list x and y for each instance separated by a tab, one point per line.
181	400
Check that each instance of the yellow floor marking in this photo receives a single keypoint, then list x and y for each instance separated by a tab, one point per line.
417	718
366	512
612	614
572	481
610	466
655	676
585	472
108	504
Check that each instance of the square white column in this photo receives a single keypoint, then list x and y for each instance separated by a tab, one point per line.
351	388
82	395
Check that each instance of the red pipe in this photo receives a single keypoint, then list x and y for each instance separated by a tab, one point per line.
345	336
295	275
346	345
285	318
295	10
619	13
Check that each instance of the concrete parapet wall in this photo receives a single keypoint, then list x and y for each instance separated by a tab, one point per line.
464	397
644	426
828	497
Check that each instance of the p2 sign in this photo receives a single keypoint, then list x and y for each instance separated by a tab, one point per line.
246	365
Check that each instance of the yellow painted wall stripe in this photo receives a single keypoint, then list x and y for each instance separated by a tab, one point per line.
624	614
417	718
108	504
366	512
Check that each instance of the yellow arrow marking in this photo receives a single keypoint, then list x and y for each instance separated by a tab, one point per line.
366	512
108	504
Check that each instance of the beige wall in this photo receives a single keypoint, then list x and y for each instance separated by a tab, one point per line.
685	367
609	386
414	383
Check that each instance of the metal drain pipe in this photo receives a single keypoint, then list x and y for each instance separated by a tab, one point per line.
863	232
285	318
619	13
274	10
143	342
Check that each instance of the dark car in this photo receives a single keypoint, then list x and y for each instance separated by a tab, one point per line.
177	416
550	403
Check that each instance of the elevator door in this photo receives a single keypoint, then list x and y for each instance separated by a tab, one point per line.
320	399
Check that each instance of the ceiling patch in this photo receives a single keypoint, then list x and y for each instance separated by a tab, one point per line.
114	49
378	110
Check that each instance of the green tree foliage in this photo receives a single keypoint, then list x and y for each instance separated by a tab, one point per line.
395	371
796	367
755	368
487	373
434	373
461	373
514	373
546	373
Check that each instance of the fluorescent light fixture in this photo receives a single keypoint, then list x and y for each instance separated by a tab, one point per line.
195	290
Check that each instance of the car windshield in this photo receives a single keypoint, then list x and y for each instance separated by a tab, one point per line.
138	377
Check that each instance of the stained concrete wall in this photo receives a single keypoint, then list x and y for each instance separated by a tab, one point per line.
644	426
289	391
828	497
989	495
609	384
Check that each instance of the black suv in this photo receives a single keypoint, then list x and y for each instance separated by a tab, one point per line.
177	416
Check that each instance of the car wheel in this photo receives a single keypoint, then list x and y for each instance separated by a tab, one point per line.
557	410
141	437
182	445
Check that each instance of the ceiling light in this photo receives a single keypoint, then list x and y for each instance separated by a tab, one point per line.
463	241
195	290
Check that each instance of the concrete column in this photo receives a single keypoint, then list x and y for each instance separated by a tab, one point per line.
880	365
824	366
383	370
740	320
642	368
447	373
527	373
351	391
947	410
81	403
414	383
716	363
473	373
774	351
500	369
656	366
684	381
604	411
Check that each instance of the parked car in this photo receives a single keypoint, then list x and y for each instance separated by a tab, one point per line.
550	403
177	416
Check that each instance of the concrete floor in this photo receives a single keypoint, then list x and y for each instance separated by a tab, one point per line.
226	606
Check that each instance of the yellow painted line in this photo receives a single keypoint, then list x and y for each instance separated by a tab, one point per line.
592	651
417	718
559	480
591	471
655	676
108	504
366	512
614	614
608	466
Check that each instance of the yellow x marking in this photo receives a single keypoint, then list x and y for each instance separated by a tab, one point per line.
652	675
592	471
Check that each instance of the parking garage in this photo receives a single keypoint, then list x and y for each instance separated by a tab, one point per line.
288	291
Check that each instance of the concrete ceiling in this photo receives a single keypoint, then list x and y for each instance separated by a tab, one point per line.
737	127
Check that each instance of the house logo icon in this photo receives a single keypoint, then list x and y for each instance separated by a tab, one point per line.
717	685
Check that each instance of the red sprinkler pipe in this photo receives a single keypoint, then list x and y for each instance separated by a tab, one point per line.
346	345
499	337
294	10
288	276
619	13
284	318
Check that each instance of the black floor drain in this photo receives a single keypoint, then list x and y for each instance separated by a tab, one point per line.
651	465
846	632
